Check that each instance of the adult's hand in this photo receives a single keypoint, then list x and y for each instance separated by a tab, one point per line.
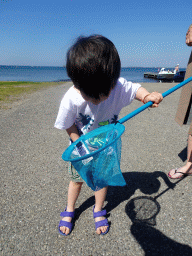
189	36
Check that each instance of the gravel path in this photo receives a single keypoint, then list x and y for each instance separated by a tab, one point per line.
34	184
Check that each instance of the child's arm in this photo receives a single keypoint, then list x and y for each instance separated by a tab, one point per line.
144	96
73	132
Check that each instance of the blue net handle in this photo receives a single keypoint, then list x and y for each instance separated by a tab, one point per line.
150	103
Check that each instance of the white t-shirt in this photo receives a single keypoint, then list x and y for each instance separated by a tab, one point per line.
86	115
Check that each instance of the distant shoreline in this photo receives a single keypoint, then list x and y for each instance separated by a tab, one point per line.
20	81
25	66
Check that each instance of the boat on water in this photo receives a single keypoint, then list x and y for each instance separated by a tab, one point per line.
167	75
179	76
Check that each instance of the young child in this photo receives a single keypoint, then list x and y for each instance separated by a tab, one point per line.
96	97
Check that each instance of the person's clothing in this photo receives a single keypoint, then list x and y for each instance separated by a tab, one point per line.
73	174
184	112
86	115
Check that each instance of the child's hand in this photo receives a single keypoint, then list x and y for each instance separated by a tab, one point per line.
154	97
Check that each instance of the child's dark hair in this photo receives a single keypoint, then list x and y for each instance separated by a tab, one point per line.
93	64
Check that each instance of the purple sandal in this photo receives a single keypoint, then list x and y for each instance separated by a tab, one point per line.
102	222
66	223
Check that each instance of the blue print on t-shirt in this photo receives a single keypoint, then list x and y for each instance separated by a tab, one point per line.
86	121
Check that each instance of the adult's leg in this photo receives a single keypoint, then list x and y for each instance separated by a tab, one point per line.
187	168
182	117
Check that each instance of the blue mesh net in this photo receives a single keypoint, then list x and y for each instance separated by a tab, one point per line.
96	157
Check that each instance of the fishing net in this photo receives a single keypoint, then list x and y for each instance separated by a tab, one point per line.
96	157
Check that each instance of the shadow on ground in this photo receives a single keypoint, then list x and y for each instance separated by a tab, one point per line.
152	241
183	154
147	183
155	243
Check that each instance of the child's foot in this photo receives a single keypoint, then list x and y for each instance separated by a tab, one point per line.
101	223
66	225
181	172
64	229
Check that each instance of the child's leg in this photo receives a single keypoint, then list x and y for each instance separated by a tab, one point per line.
99	201
73	193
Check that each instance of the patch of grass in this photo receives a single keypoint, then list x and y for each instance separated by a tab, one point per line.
13	91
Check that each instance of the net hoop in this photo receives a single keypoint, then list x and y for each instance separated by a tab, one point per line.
107	128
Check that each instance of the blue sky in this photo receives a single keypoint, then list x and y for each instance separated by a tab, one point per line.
146	33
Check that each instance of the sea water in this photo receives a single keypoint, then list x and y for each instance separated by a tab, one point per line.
56	74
